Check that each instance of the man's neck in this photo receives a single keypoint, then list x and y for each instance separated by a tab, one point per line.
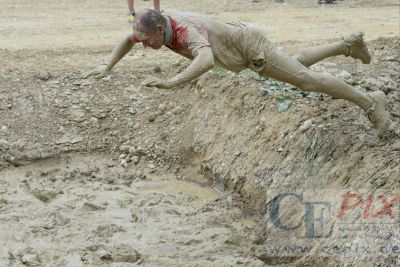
168	32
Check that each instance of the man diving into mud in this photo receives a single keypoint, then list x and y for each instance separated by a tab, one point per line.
235	47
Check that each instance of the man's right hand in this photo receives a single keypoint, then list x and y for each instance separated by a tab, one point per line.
99	72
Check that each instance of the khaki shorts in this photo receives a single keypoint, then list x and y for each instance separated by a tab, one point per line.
255	47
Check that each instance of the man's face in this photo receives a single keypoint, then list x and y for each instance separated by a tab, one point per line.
154	40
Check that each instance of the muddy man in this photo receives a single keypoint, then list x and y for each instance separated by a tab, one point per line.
235	46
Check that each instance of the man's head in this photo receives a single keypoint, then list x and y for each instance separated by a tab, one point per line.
149	27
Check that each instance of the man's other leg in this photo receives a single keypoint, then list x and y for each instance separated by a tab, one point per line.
352	45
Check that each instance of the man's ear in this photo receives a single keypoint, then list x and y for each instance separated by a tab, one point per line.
160	28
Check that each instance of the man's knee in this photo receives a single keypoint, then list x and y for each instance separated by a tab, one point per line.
307	81
301	57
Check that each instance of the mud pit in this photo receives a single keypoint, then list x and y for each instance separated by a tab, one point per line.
65	199
82	210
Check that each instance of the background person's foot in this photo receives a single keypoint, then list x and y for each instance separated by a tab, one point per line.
357	48
378	113
131	16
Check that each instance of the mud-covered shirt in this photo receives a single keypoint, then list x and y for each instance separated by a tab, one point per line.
234	45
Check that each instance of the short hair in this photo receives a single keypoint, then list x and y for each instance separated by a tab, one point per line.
149	19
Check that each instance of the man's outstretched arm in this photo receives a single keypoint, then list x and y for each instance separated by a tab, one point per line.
200	64
117	54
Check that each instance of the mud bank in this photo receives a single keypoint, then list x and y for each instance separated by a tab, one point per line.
266	139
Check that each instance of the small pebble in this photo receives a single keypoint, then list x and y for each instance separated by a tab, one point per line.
152	118
132	150
135	159
103	254
124	163
124	148
132	111
30	260
157	69
94	120
306	125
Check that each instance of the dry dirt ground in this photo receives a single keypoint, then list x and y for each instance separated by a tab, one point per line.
108	173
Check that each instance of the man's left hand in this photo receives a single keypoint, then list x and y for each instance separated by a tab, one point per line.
155	82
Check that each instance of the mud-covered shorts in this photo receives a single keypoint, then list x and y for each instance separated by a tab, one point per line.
254	46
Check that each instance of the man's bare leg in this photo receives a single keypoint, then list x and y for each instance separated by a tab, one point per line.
352	45
288	69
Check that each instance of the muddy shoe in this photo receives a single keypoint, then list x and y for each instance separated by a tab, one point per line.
131	17
378	113
357	48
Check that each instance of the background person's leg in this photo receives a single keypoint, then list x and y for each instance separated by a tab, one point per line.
131	6
352	45
156	5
